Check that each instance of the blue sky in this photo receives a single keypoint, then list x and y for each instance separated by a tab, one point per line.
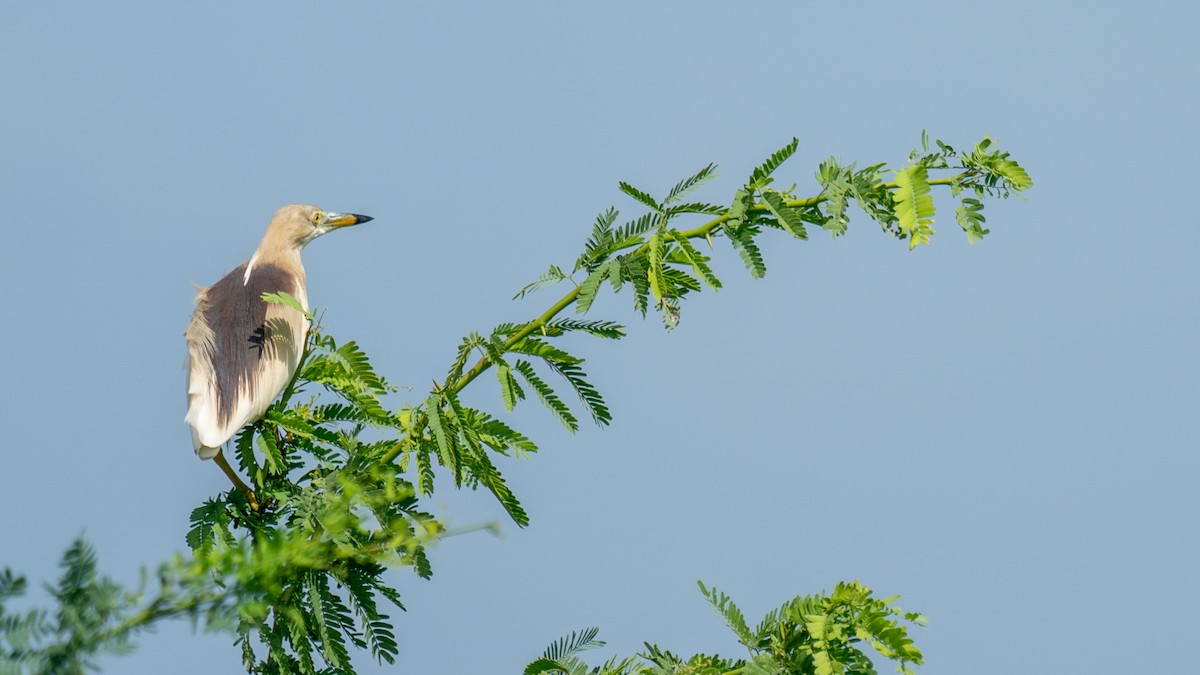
997	432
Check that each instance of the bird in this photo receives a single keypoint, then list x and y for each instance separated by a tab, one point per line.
242	350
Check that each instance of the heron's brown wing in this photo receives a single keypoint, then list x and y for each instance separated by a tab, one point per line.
242	351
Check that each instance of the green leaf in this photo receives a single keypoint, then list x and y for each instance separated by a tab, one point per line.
291	421
12	586
1014	174
688	185
497	435
469	344
633	269
272	454
287	300
640	196
588	395
589	287
548	278
743	242
547	395
654	254
788	217
760	177
205	520
695	207
510	391
873	196
447	445
600	245
614	276
971	219
338	412
533	346
603	329
487	474
244	451
836	183
544	665
332	619
737	210
630	234
570	645
359	366
1002	174
730	612
698	260
914	205
425	468
767	664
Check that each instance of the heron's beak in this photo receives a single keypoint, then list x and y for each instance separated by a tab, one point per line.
336	220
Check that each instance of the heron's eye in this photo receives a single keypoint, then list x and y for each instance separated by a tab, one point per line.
316	217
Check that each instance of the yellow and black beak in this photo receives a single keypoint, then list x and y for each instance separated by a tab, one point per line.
336	220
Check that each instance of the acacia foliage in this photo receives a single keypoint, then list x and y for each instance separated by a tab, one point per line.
295	570
807	635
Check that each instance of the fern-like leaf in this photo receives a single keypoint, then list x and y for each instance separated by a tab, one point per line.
287	300
273	458
533	346
730	612
543	666
698	261
495	434
487	474
447	444
588	395
204	519
327	622
548	278
550	399
743	242
510	391
640	196
589	287
654	253
604	329
688	185
761	176
633	270
570	645
971	219
695	207
359	366
914	204
630	234
788	217
295	424
243	449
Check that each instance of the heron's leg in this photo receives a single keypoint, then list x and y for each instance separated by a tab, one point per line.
235	479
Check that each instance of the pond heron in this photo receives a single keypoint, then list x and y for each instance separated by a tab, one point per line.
242	350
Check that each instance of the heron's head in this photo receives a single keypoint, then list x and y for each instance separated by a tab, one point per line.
297	224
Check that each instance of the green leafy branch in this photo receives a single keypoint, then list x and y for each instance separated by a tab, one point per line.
96	616
658	261
808	635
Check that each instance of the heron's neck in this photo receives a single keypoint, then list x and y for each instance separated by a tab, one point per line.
271	252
